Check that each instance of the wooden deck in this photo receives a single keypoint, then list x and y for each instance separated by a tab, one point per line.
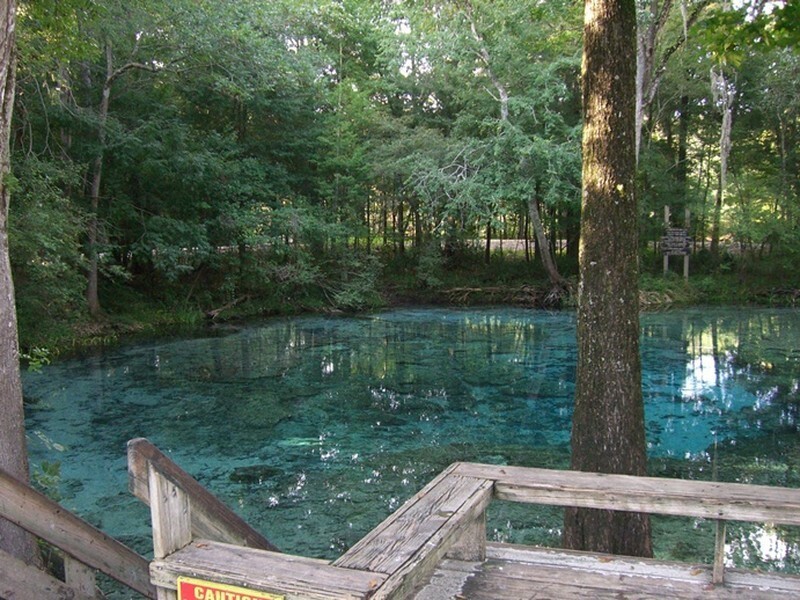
434	546
524	573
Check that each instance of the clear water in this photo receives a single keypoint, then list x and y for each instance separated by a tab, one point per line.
316	428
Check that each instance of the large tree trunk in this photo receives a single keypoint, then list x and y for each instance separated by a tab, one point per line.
13	453
608	424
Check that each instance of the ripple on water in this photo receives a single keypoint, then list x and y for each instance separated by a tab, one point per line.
316	428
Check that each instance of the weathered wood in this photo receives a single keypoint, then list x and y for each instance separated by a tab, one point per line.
718	573
211	519
80	577
213	314
19	581
712	500
296	577
171	515
408	545
472	543
521	573
436	542
44	518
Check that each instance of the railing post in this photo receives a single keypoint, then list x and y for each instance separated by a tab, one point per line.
471	544
718	575
171	519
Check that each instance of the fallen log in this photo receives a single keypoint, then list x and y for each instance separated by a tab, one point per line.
213	314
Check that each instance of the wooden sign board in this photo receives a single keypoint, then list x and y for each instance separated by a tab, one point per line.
676	242
197	589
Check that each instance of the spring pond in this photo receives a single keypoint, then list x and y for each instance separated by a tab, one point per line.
316	428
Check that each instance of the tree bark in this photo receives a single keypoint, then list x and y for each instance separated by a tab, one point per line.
650	68
724	94
13	452
543	247
92	297
112	74
608	432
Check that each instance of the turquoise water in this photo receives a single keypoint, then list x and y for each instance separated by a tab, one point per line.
316	428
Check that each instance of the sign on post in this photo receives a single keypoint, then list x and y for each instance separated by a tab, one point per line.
197	589
676	242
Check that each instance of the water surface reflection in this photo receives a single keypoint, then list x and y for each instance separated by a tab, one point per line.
316	428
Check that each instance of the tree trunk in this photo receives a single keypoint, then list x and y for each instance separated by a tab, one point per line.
724	93
608	433
92	297
650	68
13	452
682	169
487	248
543	247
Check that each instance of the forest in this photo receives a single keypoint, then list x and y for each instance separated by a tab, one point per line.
175	160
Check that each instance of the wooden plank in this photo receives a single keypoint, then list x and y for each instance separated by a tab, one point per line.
471	545
522	573
693	573
19	581
80	577
170	514
353	557
211	519
718	576
295	577
44	518
410	543
391	544
409	577
712	500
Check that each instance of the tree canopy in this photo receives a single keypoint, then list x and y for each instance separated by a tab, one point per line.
201	153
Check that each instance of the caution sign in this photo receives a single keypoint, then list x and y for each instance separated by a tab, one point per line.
196	589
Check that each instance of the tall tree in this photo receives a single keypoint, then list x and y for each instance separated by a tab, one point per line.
608	433
654	49
13	454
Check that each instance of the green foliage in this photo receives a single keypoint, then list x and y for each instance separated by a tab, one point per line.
430	266
730	33
44	245
46	478
352	281
36	358
291	153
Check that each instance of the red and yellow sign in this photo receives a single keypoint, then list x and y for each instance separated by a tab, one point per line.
195	589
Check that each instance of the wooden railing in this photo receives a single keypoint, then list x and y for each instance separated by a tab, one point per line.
446	519
721	502
210	518
85	549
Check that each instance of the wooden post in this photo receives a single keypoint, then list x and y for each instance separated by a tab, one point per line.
471	545
686	216
171	516
718	576
666	226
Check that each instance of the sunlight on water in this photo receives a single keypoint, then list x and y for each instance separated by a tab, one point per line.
316	428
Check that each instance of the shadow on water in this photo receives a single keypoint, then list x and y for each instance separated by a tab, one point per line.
316	428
